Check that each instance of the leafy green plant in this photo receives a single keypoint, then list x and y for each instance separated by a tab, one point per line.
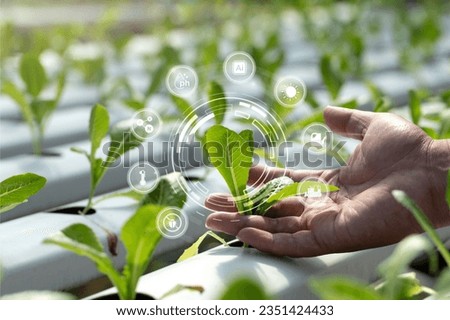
139	235
17	189
231	154
35	110
395	283
122	140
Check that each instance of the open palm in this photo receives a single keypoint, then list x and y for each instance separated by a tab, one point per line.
393	154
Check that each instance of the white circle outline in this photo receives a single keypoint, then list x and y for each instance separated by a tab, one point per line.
140	164
227	60
182	217
136	118
304	200
303	139
184	127
176	68
279	82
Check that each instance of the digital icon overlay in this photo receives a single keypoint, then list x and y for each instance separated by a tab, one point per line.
290	91
172	223
313	192
182	80
317	137
146	124
239	67
143	177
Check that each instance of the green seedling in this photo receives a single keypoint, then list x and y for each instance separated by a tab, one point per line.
122	140
17	189
35	110
139	235
394	282
231	154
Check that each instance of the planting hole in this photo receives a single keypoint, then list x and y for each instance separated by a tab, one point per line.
73	210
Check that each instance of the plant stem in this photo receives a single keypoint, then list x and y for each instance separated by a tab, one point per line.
90	202
37	141
423	221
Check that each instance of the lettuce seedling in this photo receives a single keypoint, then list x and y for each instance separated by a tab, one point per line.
139	236
122	140
17	189
35	110
231	154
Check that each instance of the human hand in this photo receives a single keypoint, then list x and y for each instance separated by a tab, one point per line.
393	154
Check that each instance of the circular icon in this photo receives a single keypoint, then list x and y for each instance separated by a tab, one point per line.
239	67
146	124
290	91
313	192
182	80
188	151
316	137
172	223
143	177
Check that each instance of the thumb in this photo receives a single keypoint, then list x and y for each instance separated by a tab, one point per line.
348	122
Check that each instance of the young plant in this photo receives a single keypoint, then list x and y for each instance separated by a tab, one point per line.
121	141
17	189
139	235
231	154
395	283
35	110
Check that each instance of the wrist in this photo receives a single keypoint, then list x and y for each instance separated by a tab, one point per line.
440	154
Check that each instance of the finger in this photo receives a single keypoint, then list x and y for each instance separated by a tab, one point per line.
287	207
299	244
261	174
221	202
232	223
347	122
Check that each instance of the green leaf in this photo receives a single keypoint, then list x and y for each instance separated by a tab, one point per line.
408	287
11	90
398	262
81	240
80	151
33	74
122	141
135	105
180	287
292	190
442	286
414	106
231	154
183	106
17	189
98	127
42	109
217	102
330	76
341	288
244	289
193	249
168	192
423	221
131	194
140	237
